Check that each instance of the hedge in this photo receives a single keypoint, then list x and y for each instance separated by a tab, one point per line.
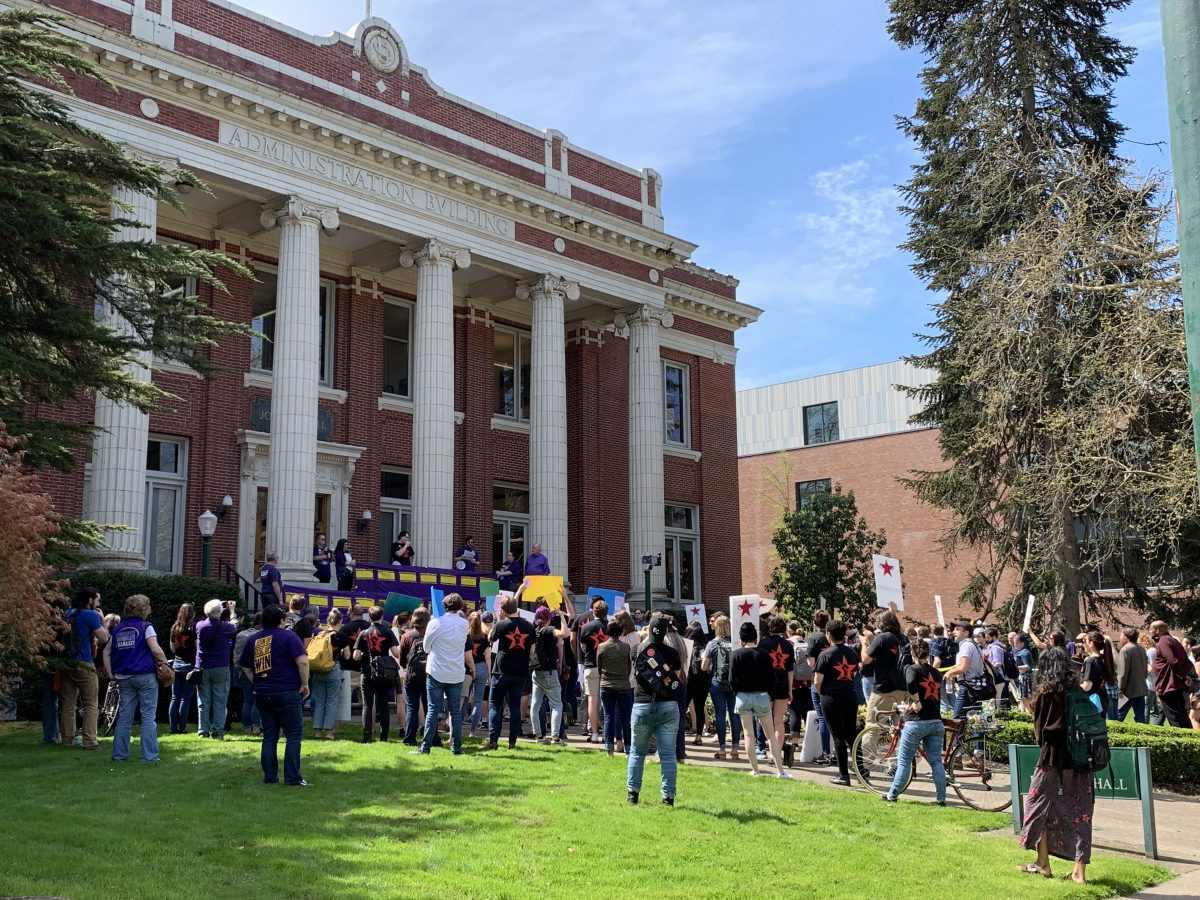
166	592
1174	752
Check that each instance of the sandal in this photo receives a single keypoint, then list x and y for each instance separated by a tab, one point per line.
720	754
1032	869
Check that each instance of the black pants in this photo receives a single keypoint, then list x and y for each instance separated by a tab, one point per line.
346	582
375	700
799	705
841	714
697	694
1175	708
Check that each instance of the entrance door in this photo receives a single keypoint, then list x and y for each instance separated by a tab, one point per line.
392	521
260	533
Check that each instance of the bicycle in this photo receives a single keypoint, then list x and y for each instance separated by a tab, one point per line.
110	708
976	763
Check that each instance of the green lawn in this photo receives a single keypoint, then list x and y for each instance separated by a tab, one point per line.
537	822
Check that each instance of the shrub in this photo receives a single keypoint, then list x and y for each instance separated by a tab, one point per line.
166	593
1174	752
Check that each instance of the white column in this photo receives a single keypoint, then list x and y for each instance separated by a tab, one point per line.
646	424
118	482
433	400
293	469
548	417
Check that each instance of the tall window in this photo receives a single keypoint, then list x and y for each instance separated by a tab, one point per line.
821	423
1118	562
397	339
512	352
806	490
510	520
683	552
262	346
166	479
675	404
395	510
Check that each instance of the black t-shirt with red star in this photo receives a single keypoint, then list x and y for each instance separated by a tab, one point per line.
885	654
591	636
512	640
375	641
783	660
837	666
817	643
925	683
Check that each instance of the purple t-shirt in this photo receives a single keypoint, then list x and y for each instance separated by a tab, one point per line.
269	575
213	643
537	564
271	655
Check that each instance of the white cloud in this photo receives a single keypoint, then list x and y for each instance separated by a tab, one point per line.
1139	26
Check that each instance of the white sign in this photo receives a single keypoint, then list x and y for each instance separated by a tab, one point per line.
697	613
742	608
1028	614
887	582
937	602
765	605
347	175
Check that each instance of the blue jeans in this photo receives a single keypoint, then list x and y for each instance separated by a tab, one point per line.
181	696
660	720
442	696
474	699
1138	705
505	689
822	725
928	735
326	693
618	713
49	709
722	698
250	716
547	684
211	697
414	696
281	712
137	690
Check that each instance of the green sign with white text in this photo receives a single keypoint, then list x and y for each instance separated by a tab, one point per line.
1118	782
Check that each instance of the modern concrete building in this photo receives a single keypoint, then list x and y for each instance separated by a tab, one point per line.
470	326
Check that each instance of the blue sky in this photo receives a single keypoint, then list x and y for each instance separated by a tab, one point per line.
771	121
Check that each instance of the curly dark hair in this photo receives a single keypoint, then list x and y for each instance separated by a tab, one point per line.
1055	672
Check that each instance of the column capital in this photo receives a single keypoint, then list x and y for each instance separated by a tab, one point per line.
297	209
643	315
434	251
546	285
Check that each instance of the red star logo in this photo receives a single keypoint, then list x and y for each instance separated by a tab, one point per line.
375	641
597	638
778	658
517	639
845	670
887	567
695	610
744	608
929	687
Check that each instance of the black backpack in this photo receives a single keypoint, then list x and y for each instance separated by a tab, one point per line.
1010	670
1087	733
417	657
654	678
721	654
64	636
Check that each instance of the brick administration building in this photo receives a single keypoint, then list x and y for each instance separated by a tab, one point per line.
473	326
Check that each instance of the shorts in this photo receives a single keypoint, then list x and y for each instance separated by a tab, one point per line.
782	690
591	682
755	704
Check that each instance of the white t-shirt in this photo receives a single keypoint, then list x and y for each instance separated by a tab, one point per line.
974	657
445	643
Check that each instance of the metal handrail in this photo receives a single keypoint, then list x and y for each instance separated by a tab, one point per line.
251	596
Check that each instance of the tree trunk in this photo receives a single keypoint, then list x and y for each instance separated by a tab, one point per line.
1068	577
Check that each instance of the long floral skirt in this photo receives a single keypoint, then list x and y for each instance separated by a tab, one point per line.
1060	805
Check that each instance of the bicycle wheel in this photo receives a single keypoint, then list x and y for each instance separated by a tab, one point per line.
979	774
874	758
112	706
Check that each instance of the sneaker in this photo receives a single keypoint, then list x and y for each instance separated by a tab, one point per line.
754	773
632	798
420	751
300	783
202	734
491	745
887	798
544	739
840	781
941	803
668	801
783	774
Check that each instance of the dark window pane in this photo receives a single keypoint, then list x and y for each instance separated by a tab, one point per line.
525	360
162	456
821	423
806	490
510	499
504	350
396	485
262	311
674	401
397	322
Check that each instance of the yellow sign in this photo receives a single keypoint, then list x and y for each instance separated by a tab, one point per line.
428	578
406	576
343	602
547	587
364	573
384	575
318	599
468	581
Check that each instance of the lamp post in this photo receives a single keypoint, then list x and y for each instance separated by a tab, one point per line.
207	523
649	561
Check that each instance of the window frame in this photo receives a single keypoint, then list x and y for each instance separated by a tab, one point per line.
400	507
411	307
685	402
519	387
327	337
176	481
824	427
672	536
507	518
818	486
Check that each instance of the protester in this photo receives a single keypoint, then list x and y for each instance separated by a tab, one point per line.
510	638
1098	671
213	639
1023	657
1172	672
322	560
413	659
270	581
275	661
1154	711
325	676
614	662
801	701
536	563
923	726
1060	802
544	664
1132	666
131	656
84	623
968	666
817	643
373	651
753	678
449	656
655	712
993	652
481	665
717	655
782	655
403	551
509	574
343	563
833	679
699	682
466	557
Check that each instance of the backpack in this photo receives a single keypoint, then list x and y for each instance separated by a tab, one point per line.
1010	670
1087	733
417	657
383	667
320	652
721	655
654	678
64	637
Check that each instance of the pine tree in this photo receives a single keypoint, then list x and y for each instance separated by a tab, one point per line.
824	550
1049	263
58	257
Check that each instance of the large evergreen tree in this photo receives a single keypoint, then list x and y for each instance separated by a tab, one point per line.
1019	144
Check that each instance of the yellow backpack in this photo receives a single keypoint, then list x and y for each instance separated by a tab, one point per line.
320	651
